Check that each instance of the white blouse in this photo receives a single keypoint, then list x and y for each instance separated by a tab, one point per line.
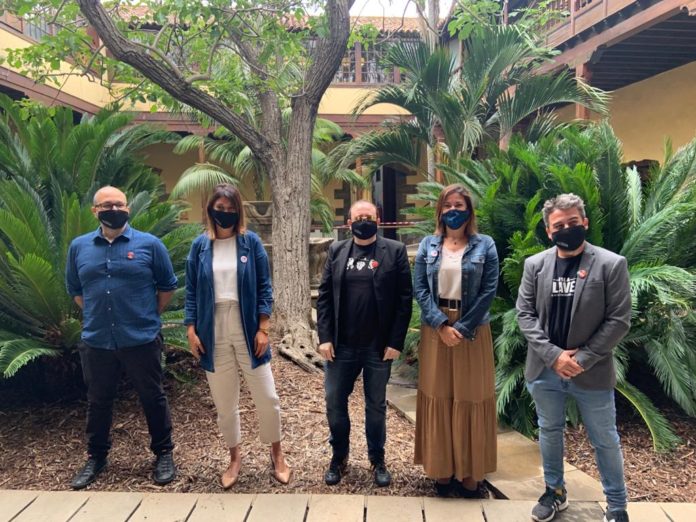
449	278
225	269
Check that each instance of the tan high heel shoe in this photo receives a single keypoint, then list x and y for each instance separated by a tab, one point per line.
284	477
227	480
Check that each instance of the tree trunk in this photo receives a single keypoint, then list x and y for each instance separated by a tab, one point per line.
290	182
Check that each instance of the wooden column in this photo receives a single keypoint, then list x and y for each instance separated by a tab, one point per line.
363	193
583	72
358	62
438	158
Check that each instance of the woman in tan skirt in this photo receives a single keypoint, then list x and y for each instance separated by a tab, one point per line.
456	277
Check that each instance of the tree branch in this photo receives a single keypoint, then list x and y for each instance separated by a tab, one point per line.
170	80
329	51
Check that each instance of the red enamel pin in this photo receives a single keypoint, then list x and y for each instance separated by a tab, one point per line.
582	274
374	264
130	255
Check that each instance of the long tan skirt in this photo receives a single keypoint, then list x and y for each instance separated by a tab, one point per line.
456	424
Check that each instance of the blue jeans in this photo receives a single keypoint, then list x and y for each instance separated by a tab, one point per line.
339	380
598	411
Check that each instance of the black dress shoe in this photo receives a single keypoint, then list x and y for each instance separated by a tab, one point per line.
89	472
443	490
337	469
165	470
459	491
381	473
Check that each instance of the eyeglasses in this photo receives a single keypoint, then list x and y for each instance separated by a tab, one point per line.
109	206
364	218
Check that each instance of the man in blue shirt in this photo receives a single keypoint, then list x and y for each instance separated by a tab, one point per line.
122	279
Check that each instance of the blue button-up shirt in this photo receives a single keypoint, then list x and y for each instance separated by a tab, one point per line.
118	283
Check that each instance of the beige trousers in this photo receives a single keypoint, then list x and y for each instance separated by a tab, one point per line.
230	355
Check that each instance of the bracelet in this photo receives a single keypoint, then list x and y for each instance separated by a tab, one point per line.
264	330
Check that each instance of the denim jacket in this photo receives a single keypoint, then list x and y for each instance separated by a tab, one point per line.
254	289
479	282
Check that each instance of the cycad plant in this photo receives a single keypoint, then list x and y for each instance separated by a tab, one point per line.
230	161
649	221
37	316
455	110
50	146
50	167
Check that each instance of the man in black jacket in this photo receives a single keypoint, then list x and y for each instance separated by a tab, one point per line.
363	311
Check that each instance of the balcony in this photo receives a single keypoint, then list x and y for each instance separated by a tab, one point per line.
613	43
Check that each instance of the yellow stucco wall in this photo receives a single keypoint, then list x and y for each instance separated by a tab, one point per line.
78	86
342	100
645	113
171	166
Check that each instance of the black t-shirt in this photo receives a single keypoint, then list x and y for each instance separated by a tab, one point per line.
358	313
562	293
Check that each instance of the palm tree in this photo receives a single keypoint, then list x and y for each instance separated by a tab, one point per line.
649	222
454	110
231	161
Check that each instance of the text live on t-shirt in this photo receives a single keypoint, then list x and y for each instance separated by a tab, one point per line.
562	294
358	309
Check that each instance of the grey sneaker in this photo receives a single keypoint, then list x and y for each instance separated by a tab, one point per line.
550	503
616	515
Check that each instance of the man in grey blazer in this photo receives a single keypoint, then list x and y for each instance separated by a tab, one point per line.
573	307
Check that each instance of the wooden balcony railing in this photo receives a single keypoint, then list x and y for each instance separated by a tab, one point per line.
580	15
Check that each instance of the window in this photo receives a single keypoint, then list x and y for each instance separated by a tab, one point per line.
373	67
346	71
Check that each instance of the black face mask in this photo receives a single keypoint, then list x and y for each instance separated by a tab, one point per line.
364	229
570	238
225	219
114	219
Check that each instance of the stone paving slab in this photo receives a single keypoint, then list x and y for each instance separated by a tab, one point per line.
679	512
108	507
394	509
53	506
14	501
644	512
507	510
336	508
70	506
221	508
404	400
278	508
449	509
161	507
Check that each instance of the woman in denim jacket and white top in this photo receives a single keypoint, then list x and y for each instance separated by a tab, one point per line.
228	306
456	277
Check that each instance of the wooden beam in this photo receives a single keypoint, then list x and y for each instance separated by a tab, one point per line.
583	72
652	15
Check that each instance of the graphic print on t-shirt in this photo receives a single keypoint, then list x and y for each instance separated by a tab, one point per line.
564	286
562	294
358	307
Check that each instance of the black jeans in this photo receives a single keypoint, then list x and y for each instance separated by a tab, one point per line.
339	380
102	371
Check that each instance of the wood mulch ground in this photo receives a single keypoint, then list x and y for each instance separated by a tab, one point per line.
42	445
650	476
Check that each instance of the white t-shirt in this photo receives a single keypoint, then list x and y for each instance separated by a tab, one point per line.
449	278
225	269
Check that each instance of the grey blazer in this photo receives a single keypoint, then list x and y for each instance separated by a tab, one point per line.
600	316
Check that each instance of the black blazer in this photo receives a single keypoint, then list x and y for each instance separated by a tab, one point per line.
393	292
